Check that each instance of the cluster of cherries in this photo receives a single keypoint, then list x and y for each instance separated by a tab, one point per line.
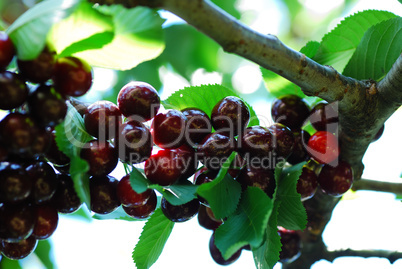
31	192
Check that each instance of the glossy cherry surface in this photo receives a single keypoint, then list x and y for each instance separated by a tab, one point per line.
13	90
169	128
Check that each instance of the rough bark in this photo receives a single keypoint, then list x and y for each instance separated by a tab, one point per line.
363	105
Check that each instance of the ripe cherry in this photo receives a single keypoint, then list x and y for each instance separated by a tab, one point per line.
214	150
169	128
7	50
307	183
16	222
205	220
162	168
299	152
257	177
18	250
40	69
66	199
198	125
230	116
336	180
128	197
15	185
138	100
180	213
290	110
72	76
256	145
323	147
291	245
46	220
44	181
282	139
103	193
101	156
145	210
13	90
217	255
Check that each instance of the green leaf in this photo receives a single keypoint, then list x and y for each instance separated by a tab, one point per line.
205	98
310	49
44	252
138	181
222	193
70	138
338	46
278	85
247	225
30	30
378	50
267	255
155	233
6	263
292	214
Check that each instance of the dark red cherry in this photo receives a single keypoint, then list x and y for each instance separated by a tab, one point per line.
169	128
47	107
128	197
214	150
307	183
282	140
257	177
102	120
101	156
162	168
15	185
291	111
138	100
7	50
103	193
291	245
72	76
46	220
186	160
54	154
217	255
134	142
230	116
205	220
145	210
324	117
18	250
66	199
336	180
16	222
180	213
44	181
13	90
299	152
40	69
256	145
198	125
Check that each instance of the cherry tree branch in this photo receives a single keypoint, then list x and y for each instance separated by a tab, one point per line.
374	185
390	87
392	256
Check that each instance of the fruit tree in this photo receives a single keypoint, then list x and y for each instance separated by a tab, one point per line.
92	128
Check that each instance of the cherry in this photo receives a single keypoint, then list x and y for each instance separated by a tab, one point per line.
134	142
66	199
307	183
46	220
40	69
145	210
323	147
205	220
16	222
230	115
336	180
15	185
290	110
72	76
204	176
198	125
54	154
44	181
18	250
324	117
215	149
180	213
185	159
299	153
42	142
7	50
256	145
282	139
103	193
257	177
217	255
169	128
138	99
18	132
128	197
101	156
13	90
291	245
162	168
102	120
47	106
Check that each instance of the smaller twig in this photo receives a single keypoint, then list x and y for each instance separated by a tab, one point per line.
392	256
374	185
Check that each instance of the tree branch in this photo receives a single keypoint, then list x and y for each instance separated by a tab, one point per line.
374	185
392	256
390	87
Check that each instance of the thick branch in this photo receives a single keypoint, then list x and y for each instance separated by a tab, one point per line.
374	185
392	256
391	86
